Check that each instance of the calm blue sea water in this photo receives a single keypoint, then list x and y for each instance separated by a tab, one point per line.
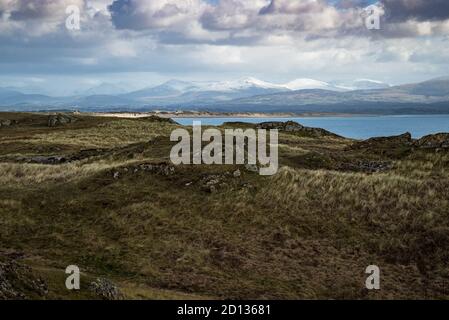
360	127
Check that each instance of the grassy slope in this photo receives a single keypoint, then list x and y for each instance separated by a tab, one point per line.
308	232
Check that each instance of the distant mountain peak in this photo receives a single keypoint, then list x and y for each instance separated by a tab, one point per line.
178	85
105	88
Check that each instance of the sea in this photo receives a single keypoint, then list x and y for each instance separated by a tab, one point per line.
355	127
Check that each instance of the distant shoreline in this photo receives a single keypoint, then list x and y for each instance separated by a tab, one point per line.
230	115
178	115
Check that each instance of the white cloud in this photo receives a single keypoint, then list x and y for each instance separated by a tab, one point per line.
281	39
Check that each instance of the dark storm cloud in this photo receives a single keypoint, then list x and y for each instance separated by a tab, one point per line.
421	10
155	14
23	10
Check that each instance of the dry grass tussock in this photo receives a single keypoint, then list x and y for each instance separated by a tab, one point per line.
26	174
106	135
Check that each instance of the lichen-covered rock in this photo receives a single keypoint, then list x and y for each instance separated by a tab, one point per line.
105	289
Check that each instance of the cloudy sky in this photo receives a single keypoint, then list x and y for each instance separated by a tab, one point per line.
138	43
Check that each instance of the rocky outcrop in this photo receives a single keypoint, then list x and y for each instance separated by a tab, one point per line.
433	141
19	282
7	123
159	119
105	289
212	183
163	169
400	140
292	126
48	160
59	120
367	166
289	126
394	147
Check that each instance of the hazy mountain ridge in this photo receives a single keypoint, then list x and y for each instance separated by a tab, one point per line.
251	94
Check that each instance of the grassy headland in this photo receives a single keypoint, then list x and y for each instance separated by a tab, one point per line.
101	193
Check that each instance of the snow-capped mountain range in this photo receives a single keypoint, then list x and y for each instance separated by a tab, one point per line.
176	91
247	95
251	83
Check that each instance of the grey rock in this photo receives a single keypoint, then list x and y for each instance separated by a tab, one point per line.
105	289
252	168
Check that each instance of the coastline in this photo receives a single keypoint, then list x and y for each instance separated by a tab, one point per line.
181	115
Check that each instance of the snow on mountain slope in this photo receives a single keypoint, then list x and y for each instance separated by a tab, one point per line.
302	84
251	82
236	85
361	84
